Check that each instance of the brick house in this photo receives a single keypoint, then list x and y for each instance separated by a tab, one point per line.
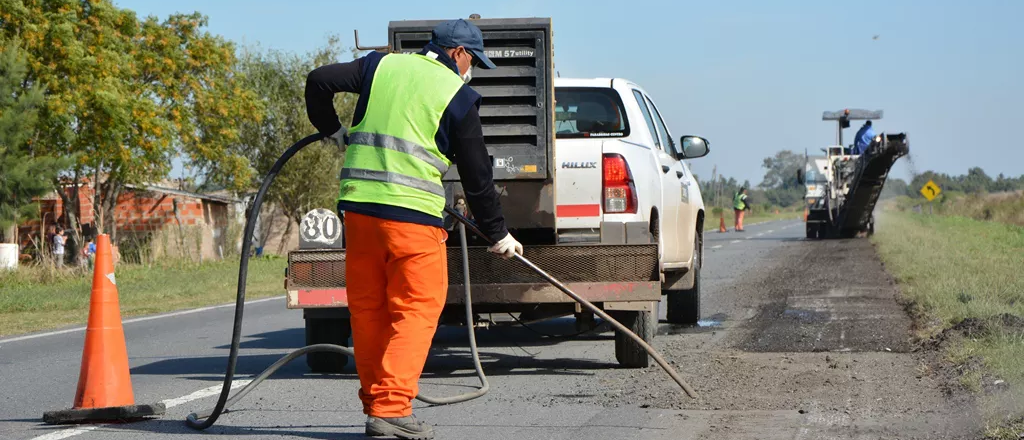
160	220
141	212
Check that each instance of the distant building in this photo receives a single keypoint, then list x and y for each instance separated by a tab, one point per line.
158	220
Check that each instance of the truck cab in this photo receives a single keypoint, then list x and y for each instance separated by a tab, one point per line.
619	167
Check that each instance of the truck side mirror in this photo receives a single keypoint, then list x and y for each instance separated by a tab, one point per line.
694	147
800	177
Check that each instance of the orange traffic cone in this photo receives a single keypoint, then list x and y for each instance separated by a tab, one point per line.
721	224
104	382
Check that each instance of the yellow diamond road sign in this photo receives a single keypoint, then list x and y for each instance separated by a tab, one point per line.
930	190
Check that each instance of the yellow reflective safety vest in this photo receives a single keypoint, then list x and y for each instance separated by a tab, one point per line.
392	158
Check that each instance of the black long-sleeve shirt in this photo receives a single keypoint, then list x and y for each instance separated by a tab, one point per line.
459	137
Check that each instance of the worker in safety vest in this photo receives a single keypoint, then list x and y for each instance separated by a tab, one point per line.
739	205
415	116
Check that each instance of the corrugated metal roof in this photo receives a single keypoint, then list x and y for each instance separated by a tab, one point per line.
160	189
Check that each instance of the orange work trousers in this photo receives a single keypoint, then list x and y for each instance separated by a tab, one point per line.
739	219
397	282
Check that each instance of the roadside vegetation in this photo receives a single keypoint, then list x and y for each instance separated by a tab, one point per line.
960	277
40	298
757	214
1002	207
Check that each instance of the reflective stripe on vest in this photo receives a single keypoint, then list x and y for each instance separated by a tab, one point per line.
389	177
398	144
392	157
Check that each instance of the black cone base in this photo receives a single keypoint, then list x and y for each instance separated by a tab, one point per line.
109	414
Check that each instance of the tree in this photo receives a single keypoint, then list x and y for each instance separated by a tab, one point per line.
976	181
310	179
124	96
781	170
780	182
24	175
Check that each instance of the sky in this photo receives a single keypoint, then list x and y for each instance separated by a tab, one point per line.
753	77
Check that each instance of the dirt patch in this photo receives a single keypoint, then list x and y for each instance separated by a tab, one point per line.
1012	322
826	341
970	327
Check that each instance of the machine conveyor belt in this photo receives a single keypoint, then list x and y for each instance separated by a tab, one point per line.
871	170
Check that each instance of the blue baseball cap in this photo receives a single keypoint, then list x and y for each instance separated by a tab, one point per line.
455	33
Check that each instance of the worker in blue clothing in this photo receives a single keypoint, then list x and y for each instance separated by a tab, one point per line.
863	139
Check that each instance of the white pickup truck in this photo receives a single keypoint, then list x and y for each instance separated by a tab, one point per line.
618	163
591	182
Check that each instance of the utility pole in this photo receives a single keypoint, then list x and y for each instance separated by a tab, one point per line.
714	186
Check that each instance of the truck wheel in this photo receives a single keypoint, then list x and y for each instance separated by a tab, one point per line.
327	331
684	304
627	351
812	230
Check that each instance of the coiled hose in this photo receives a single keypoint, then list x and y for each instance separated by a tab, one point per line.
210	416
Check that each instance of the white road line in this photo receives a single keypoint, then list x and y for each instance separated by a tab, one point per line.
735	241
770	231
169	403
205	392
145	318
758	235
65	433
716	246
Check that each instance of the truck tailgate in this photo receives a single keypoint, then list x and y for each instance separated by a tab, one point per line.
578	188
316	277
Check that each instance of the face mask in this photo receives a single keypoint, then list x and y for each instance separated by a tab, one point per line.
468	76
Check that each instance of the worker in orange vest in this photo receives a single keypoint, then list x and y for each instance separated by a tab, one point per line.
415	116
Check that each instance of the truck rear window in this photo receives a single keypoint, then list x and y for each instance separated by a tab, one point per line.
582	112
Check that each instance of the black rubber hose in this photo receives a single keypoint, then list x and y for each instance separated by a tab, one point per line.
226	400
589	306
243	271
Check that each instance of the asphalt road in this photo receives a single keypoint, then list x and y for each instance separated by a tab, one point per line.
800	340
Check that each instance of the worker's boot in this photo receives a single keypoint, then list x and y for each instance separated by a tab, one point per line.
401	427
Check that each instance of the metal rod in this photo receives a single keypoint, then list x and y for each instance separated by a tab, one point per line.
597	311
376	48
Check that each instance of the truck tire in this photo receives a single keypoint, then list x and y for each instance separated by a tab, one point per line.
327	331
684	304
628	352
812	230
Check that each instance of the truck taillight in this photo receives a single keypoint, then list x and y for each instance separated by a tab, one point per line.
619	192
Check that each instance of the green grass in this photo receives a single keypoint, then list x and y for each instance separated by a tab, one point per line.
34	298
712	221
1004	207
956	268
953	268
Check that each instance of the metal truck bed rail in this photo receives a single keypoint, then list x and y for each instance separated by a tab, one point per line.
316	268
599	273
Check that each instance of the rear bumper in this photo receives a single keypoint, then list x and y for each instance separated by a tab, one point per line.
500	294
598	273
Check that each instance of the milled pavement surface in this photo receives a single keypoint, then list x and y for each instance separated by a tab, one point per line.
800	340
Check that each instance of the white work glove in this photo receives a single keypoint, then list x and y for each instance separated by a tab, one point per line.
339	139
507	247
